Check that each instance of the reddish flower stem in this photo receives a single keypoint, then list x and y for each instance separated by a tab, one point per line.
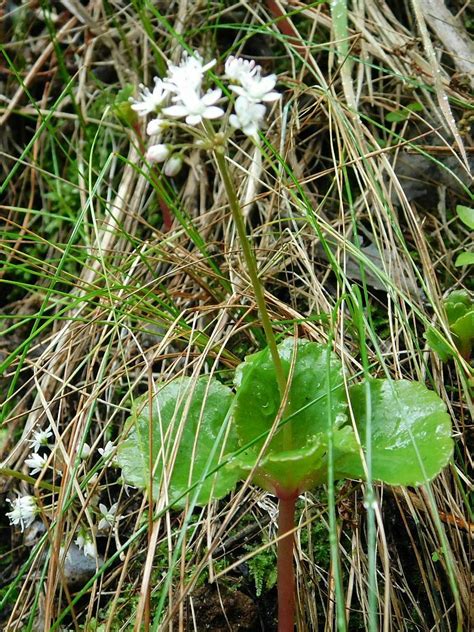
285	26
286	573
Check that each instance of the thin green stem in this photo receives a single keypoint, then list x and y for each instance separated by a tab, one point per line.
253	273
7	472
370	497
333	539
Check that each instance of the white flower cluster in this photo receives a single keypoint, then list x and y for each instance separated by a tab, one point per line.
252	90
108	454
180	95
85	539
24	510
108	517
37	462
41	439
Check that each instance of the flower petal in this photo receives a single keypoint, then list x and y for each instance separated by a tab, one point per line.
271	96
212	96
176	111
213	112
194	119
234	121
239	90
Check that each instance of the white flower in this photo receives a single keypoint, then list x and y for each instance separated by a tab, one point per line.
256	88
156	126
108	454
157	153
107	451
195	107
40	439
248	116
150	100
238	69
85	542
108	516
83	452
172	166
24	510
36	463
91	482
188	74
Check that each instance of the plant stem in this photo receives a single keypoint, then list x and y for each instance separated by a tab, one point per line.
7	472
286	573
286	514
252	270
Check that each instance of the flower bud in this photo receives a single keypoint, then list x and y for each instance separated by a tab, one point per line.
173	166
155	126
157	153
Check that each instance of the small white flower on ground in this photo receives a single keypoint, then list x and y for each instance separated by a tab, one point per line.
40	438
156	126
108	516
108	452
173	166
150	100
188	74
248	116
24	510
85	451
85	542
257	88
91	482
195	107
238	69
157	153
36	463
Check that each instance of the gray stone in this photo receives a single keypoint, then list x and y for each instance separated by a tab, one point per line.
79	568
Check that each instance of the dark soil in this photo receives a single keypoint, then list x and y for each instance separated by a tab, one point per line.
217	608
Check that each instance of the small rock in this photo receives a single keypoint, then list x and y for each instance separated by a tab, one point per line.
79	568
34	533
420	176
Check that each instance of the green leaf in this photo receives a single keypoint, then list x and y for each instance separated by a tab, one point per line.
189	435
457	304
463	328
404	113
122	107
460	311
411	432
459	308
464	259
437	343
466	215
298	462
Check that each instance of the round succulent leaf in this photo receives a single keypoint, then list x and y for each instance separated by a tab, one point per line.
466	215
457	304
257	401
285	472
411	432
438	344
463	328
464	259
190	434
